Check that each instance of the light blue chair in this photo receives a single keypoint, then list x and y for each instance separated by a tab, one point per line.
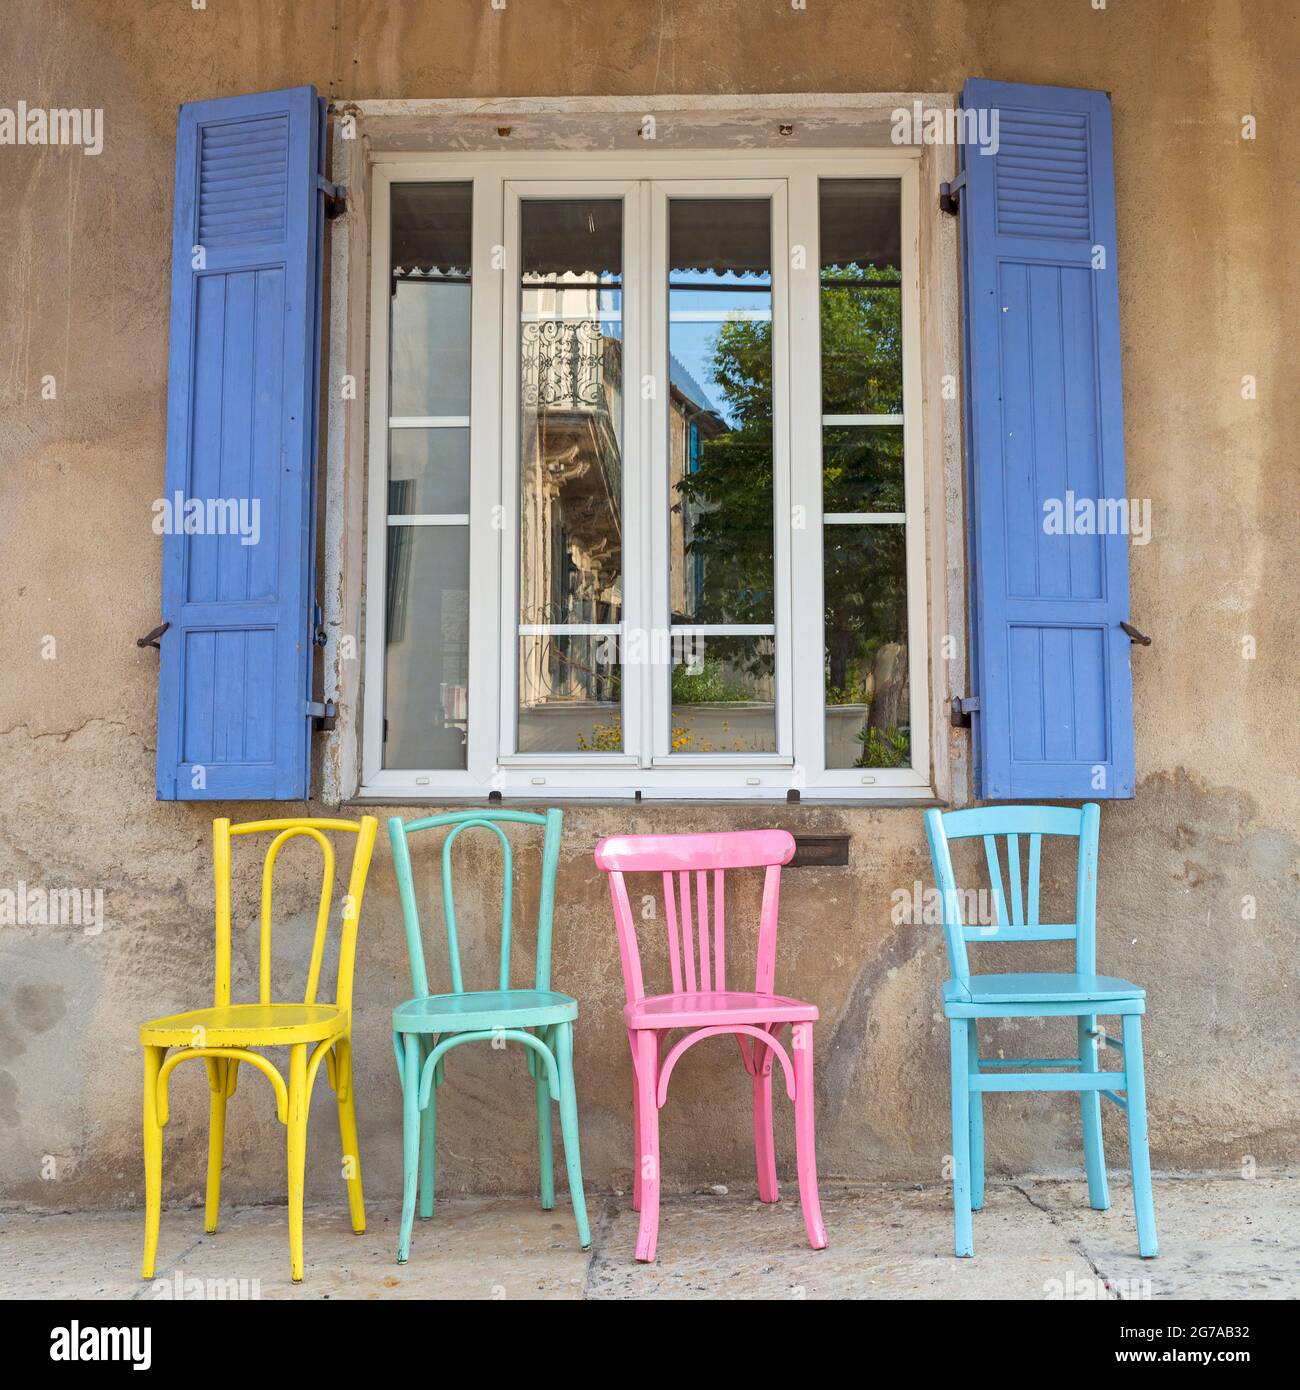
1082	995
428	1026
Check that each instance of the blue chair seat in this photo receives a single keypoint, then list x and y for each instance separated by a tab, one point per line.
483	1009
1039	988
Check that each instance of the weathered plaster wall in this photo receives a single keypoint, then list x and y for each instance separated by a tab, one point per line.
1208	287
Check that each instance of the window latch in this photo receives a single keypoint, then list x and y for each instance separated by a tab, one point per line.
1140	638
150	639
961	710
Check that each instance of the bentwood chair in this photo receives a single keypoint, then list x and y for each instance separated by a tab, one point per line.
701	1004
225	1034
1082	995
428	1026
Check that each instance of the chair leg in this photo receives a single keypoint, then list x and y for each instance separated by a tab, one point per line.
805	1138
568	1099
153	1059
297	1153
647	1158
410	1141
958	1035
1094	1150
764	1149
348	1136
1139	1157
545	1136
216	1139
428	1140
976	1120
636	1127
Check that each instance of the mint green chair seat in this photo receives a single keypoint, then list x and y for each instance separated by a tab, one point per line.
428	1026
488	1008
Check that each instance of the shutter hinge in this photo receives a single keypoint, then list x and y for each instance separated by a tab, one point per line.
962	708
322	715
950	195
336	197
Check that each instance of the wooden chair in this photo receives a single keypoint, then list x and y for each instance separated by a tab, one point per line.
1082	995
701	1003
225	1034
428	1026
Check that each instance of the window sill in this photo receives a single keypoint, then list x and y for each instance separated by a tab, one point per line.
922	799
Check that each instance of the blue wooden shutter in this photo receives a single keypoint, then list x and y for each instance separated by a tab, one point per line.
235	675
1050	663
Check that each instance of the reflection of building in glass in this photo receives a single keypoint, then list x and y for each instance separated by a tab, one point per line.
692	419
571	522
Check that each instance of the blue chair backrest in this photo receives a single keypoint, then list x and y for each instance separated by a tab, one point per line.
398	833
1021	922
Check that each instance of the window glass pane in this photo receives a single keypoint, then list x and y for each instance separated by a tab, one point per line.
862	466
720	410
428	471
426	686
431	294
426	612
571	474
868	720
862	341
723	692
571	694
720	464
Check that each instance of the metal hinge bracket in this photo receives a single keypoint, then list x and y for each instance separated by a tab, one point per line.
950	195
962	708
322	715
336	197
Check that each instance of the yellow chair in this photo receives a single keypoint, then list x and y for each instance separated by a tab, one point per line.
223	1035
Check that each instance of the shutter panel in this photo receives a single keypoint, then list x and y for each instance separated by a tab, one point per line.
1050	663
235	674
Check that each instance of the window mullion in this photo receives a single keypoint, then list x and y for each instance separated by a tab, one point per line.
806	638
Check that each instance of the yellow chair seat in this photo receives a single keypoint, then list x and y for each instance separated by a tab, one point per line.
247	1025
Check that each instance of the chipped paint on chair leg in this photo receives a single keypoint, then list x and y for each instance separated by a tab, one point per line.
963	1237
297	1153
805	1136
1139	1156
153	1058
647	1065
976	1122
569	1128
1094	1151
348	1138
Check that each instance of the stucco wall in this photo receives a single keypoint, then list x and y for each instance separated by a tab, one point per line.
1208	295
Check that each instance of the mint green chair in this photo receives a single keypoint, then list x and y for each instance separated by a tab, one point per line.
428	1026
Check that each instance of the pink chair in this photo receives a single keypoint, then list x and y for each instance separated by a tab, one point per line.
701	1003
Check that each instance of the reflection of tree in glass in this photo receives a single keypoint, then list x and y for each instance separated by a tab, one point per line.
729	495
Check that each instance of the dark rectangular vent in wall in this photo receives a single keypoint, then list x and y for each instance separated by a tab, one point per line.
820	852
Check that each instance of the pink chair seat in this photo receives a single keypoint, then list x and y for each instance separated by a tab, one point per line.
706	1010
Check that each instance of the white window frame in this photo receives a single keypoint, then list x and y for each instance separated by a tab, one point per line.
799	763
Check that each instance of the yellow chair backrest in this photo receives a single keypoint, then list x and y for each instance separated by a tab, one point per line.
286	830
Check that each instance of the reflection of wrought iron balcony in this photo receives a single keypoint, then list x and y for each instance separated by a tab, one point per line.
569	365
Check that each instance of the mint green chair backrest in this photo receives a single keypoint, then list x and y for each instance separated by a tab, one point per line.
399	832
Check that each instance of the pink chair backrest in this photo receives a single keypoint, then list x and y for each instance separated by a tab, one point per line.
697	957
